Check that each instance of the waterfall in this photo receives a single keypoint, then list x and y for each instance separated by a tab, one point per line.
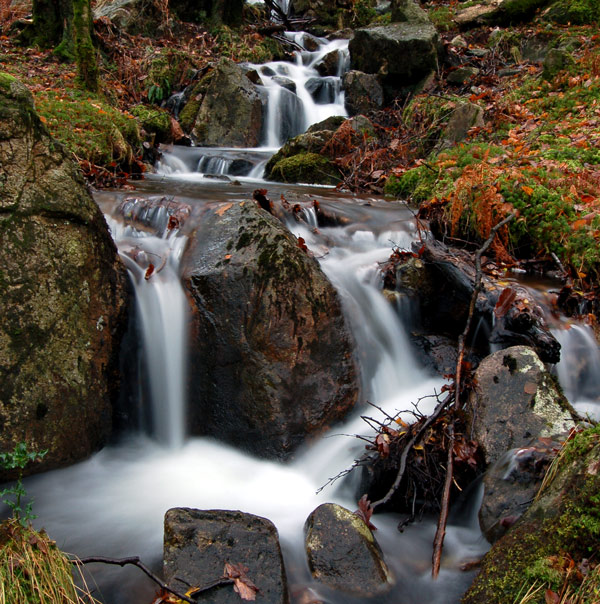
297	97
152	260
114	503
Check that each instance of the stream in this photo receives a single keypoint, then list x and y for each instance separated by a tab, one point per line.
113	504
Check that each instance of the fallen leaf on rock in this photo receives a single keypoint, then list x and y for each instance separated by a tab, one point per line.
530	388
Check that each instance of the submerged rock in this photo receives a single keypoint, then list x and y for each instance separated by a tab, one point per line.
198	543
64	295
343	553
514	401
272	356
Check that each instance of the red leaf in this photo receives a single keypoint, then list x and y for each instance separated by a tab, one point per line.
551	597
365	511
383	445
242	584
302	244
149	271
530	388
505	300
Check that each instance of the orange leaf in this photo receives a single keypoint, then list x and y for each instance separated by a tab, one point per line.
527	190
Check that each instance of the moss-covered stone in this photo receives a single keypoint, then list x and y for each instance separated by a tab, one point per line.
562	525
305	168
575	12
155	122
63	293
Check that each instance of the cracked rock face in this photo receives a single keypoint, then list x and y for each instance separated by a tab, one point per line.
63	291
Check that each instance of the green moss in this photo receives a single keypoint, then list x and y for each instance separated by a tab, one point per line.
563	525
6	80
443	18
87	125
305	168
416	184
156	122
575	12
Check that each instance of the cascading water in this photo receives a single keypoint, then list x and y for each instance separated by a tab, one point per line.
114	503
297	96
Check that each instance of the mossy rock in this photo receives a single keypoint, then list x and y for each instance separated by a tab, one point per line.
561	526
575	12
156	122
416	184
305	168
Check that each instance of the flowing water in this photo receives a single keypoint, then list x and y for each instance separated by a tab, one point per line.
114	503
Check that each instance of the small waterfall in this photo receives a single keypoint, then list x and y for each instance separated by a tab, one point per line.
298	96
152	260
579	368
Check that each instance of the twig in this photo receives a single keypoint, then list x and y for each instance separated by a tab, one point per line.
477	288
440	533
407	448
135	561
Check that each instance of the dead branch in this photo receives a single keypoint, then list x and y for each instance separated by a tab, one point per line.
477	288
135	561
440	533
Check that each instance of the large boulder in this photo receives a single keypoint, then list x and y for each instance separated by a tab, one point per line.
63	293
403	54
515	400
343	553
198	543
273	357
553	546
225	109
499	12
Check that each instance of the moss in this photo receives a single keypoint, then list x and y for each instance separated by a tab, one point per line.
562	525
575	12
6	81
305	168
156	122
416	184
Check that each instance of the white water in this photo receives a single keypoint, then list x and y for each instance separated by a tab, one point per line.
114	503
312	98
579	368
163	311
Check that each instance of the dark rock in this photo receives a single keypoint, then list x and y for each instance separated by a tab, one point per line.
227	108
286	83
329	65
436	352
400	53
556	60
308	168
199	542
511	484
408	10
363	91
330	124
343	554
273	356
499	12
64	295
462	75
323	90
132	16
441	282
514	401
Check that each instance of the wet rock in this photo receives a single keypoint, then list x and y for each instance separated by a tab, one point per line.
436	352
514	401
343	553
323	90
286	83
198	543
329	65
511	484
308	168
441	283
225	109
363	91
327	13
64	295
400	53
273	357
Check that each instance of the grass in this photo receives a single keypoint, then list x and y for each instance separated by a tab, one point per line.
34	571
